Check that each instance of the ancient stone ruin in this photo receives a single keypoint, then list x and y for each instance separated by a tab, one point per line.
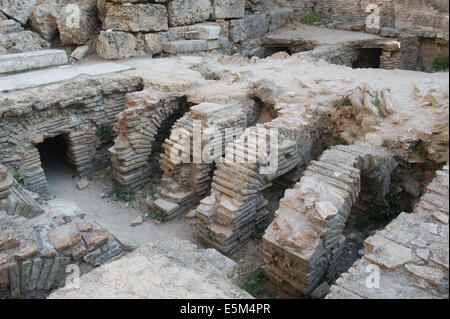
224	149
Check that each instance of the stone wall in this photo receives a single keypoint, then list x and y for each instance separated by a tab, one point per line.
137	127
34	257
77	110
187	178
227	218
174	26
33	25
183	26
303	243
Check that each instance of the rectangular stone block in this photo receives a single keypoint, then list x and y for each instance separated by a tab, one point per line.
187	12
203	31
136	18
228	9
17	62
19	10
184	46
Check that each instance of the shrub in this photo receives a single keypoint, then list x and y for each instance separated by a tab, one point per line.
18	176
440	64
311	18
105	130
255	284
346	101
126	195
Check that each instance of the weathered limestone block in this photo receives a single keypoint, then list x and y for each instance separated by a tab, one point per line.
31	60
43	18
183	46
251	26
228	9
136	18
9	240
153	43
203	31
19	10
76	23
64	237
186	12
204	274
278	18
10	26
115	45
102	8
29	260
79	53
22	42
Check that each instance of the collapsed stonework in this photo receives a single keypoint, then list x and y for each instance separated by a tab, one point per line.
34	255
198	273
15	200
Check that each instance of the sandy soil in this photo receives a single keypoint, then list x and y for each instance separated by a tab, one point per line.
116	216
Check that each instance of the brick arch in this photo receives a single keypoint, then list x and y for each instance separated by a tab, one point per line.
137	127
227	218
305	240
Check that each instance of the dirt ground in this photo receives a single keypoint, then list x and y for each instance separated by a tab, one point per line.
115	215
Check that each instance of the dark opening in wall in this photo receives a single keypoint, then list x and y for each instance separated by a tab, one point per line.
367	58
263	113
54	160
270	51
164	132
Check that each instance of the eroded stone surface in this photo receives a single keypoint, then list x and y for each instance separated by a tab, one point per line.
175	261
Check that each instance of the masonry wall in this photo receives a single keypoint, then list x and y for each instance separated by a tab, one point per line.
78	109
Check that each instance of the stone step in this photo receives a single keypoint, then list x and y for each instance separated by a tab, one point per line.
184	46
16	62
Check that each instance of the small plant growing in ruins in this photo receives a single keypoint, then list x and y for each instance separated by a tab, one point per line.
105	130
441	64
387	143
160	216
421	150
346	101
186	184
254	283
420	177
209	234
260	230
387	210
335	140
311	19
377	101
353	134
395	176
125	195
18	176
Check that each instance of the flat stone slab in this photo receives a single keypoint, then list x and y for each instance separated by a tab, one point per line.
169	268
386	253
166	206
183	46
16	62
53	75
